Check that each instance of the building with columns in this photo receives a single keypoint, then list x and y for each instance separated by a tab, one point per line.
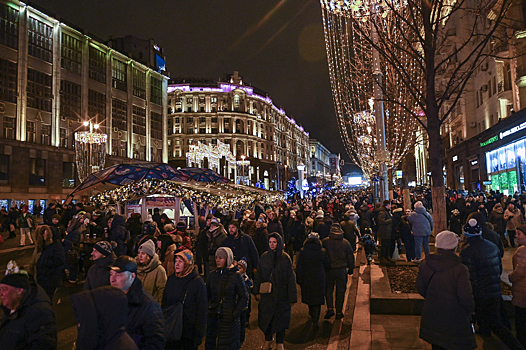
320	166
243	118
55	76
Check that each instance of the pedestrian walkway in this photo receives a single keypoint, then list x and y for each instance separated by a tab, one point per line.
395	332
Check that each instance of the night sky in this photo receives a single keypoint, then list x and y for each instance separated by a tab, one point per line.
276	45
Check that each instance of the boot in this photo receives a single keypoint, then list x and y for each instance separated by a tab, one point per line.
316	318
267	345
280	347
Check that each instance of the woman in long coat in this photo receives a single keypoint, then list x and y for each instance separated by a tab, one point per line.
227	297
311	274
444	283
274	308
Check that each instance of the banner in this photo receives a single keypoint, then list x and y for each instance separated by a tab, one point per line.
160	202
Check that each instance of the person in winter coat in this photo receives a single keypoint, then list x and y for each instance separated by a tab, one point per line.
486	232
341	257
483	261
216	234
25	223
101	318
444	283
201	249
227	297
242	245
28	321
50	263
145	320
274	225
422	225
181	231
118	234
186	286
11	221
324	228
261	237
297	236
514	218
496	218
311	275
404	230
350	232
455	223
134	227
274	308
385	230
99	273
150	271
71	247
518	279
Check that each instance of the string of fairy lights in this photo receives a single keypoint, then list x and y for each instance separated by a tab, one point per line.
347	28
90	153
225	196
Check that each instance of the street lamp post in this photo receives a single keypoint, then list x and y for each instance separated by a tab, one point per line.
301	173
90	150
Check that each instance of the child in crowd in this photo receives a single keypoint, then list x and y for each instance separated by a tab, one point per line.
245	315
368	244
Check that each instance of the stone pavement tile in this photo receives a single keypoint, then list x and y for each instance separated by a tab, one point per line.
400	327
360	340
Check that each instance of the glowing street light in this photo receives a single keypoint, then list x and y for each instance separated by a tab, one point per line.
90	150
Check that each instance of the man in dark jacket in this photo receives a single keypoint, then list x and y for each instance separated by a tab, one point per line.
385	230
274	225
242	245
49	212
486	232
324	228
341	257
483	261
349	230
118	234
145	321
103	258
29	321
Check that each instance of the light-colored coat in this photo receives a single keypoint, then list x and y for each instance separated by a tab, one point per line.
515	221
153	278
518	277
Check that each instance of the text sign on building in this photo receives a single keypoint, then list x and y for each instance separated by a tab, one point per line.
512	130
455	158
489	141
486	183
474	162
399	174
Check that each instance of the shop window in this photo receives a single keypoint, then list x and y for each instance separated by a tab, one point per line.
37	172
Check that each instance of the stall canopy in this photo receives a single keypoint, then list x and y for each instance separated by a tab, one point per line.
124	174
204	175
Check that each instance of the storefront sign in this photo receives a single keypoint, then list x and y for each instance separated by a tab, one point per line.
455	158
399	174
474	162
486	183
489	141
512	130
160	202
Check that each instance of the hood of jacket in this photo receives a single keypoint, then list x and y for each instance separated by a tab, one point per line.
498	210
442	260
101	314
398	210
336	236
420	210
313	244
118	220
152	265
279	249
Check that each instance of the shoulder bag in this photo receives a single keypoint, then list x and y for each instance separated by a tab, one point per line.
173	316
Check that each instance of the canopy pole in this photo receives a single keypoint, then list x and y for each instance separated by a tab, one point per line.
144	210
177	210
196	219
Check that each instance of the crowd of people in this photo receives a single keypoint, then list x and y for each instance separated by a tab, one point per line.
155	284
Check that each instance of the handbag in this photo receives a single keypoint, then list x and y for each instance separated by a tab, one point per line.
266	287
173	319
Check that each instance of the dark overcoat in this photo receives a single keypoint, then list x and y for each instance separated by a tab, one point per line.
311	272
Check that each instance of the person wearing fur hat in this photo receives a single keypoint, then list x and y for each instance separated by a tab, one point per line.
150	270
185	285
518	279
341	257
274	309
28	321
99	273
444	283
215	237
483	261
227	297
50	262
311	275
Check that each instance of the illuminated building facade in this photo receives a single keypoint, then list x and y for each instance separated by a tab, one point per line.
243	118
319	157
54	76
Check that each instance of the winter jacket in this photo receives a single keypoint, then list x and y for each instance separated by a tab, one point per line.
261	239
74	231
275	226
353	215
297	235
350	232
422	222
187	242
23	220
340	252
446	317
118	234
145	321
313	265
226	292
101	314
274	308
99	273
482	258
496	218
48	267
513	218
243	246
153	277
195	305
455	225
32	326
518	277
324	229
385	223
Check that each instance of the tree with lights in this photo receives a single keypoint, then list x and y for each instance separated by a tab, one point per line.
413	45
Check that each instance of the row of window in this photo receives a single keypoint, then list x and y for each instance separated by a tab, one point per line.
37	171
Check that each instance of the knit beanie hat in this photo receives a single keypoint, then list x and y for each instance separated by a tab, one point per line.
243	262
15	277
446	240
336	229
225	253
104	247
180	225
148	247
472	228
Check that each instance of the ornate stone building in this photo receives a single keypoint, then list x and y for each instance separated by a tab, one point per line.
54	77
242	117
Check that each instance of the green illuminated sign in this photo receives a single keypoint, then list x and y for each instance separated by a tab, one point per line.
493	139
